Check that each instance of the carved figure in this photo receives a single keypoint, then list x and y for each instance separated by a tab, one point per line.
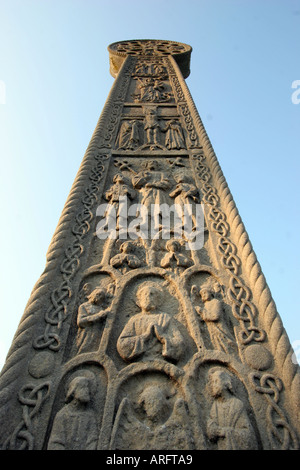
185	196
150	333
174	136
126	259
228	424
159	70
152	184
75	426
184	193
214	317
152	90
161	428
153	69
152	128
174	259
91	315
141	68
129	137
116	194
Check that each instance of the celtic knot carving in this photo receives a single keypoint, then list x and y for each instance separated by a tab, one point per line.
189	125
125	324
150	47
111	126
242	307
282	433
126	80
60	297
239	294
183	106
31	398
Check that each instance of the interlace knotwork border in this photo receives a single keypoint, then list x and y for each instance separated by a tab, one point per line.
238	293
271	386
31	397
58	310
182	105
243	309
60	297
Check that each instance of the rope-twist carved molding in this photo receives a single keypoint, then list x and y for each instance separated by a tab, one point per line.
32	398
242	306
235	251
261	295
238	293
278	340
83	192
60	297
281	431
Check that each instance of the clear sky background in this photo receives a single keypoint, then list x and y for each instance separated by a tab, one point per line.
54	65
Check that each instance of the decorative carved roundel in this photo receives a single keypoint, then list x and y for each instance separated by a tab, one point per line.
149	47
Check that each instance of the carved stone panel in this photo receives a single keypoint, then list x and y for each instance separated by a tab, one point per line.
152	326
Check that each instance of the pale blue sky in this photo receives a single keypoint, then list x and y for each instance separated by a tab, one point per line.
54	64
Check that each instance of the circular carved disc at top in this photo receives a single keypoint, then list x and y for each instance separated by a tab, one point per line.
149	49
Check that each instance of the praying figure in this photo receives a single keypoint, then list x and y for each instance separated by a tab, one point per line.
174	259
228	424
151	333
126	259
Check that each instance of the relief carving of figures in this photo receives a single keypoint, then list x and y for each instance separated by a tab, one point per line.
118	191
129	136
158	427
90	318
135	135
174	259
152	184
213	314
141	69
151	333
151	90
127	259
152	129
75	426
153	69
185	195
228	424
185	192
174	136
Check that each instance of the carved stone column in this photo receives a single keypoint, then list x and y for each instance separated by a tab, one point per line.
136	337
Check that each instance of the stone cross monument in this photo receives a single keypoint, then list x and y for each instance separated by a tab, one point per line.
152	326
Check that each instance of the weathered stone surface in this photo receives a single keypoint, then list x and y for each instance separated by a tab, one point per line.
141	340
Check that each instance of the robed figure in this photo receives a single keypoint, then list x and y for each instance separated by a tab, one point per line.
151	333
